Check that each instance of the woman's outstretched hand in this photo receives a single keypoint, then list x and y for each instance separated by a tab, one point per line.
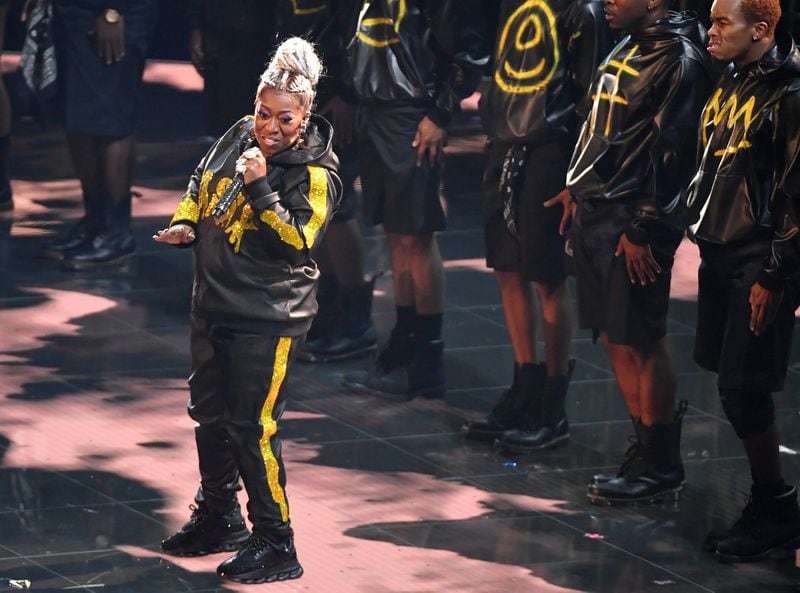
178	234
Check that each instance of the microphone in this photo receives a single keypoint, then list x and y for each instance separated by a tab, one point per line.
245	137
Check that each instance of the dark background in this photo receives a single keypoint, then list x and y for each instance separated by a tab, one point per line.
172	34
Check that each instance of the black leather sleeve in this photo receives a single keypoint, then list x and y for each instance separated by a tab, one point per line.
784	258
460	40
679	99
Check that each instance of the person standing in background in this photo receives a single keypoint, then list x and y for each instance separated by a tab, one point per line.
228	45
101	47
411	63
530	111
629	173
743	216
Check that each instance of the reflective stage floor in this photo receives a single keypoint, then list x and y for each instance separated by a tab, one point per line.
97	459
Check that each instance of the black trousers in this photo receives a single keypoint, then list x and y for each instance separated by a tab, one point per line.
238	394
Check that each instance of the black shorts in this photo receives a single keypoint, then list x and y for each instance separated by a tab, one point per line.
100	100
724	343
538	253
397	193
630	314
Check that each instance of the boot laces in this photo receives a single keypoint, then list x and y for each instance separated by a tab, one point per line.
199	516
631	455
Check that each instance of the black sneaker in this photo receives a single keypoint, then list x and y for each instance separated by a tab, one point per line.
261	561
206	533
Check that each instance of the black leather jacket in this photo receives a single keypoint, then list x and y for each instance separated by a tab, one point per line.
636	144
534	94
748	180
253	267
425	52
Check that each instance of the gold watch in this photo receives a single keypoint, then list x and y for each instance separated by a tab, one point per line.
112	16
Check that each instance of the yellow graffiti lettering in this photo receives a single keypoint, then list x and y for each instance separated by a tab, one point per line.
301	8
531	25
715	114
613	98
382	31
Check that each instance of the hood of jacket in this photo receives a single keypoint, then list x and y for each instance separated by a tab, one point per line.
317	147
666	31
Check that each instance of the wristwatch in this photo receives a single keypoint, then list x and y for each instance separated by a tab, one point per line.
112	16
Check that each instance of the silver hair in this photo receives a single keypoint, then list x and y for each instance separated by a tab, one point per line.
295	68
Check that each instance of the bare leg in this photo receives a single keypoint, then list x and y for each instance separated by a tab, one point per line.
557	314
518	310
418	272
342	253
646	378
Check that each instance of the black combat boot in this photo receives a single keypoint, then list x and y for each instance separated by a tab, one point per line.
655	473
421	375
80	234
353	334
394	353
770	521
546	422
323	329
509	411
631	454
207	533
111	246
260	560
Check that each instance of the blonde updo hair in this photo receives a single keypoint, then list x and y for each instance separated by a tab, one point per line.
295	68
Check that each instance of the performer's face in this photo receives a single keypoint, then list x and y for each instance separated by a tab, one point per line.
730	35
278	119
627	15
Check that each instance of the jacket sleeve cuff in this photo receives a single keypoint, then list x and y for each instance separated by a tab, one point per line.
770	281
637	235
439	116
261	195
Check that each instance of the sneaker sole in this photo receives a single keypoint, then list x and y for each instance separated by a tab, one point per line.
231	546
671	495
247	579
513	448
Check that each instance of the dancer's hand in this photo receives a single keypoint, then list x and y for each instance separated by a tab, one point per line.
565	199
642	266
763	307
429	137
179	234
109	39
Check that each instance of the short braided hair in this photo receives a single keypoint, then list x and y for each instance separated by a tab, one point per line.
295	68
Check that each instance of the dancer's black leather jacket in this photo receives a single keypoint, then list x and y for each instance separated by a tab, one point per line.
748	182
534	93
424	52
637	143
253	267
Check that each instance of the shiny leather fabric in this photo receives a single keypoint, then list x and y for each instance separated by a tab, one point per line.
636	144
534	93
749	159
423	52
253	267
